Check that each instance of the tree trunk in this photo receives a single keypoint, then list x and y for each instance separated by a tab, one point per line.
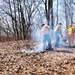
15	22
57	13
66	14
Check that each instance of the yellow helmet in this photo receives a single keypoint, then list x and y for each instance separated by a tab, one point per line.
69	25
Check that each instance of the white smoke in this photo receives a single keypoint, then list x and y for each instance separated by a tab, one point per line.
37	38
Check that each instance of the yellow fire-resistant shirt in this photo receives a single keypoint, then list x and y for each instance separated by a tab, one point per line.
71	30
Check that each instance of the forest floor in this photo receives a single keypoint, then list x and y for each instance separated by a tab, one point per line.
13	61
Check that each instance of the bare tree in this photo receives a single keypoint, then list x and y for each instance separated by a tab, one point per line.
69	13
21	13
49	11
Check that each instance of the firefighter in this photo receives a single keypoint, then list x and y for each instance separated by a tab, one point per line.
57	34
45	29
70	31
